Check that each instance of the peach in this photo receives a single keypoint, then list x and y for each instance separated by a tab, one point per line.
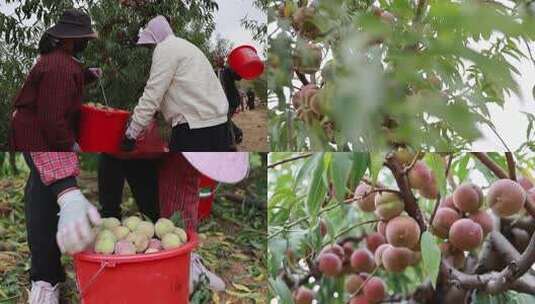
419	175
467	198
366	201
374	240
360	299
403	231
362	261
374	290
388	205
396	259
506	197
465	234
353	283
303	295
444	218
525	183
378	255
448	203
330	264
484	219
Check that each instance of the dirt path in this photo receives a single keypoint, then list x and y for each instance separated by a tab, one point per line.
254	125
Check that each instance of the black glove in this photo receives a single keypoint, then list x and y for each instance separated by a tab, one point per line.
128	144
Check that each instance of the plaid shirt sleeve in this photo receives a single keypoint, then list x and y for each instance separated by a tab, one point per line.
57	170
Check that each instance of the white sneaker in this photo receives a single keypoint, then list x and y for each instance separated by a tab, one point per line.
197	269
44	293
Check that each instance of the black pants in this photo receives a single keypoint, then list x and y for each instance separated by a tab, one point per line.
211	139
142	177
41	209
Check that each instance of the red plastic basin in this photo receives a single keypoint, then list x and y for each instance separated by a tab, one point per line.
161	277
244	60
101	130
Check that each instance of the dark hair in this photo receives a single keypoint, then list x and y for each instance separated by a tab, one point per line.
47	44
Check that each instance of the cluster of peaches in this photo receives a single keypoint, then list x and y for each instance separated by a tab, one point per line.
311	101
462	220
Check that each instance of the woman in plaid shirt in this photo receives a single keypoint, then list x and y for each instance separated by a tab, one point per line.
46	110
52	190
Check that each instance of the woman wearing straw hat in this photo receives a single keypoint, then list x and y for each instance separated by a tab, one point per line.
183	87
47	107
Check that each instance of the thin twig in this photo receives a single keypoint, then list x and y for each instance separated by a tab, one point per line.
413	162
302	78
289	160
304	218
511	165
493	129
366	281
378	190
347	229
489	163
439	197
529	50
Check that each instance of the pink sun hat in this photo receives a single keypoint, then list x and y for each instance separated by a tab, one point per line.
224	167
157	30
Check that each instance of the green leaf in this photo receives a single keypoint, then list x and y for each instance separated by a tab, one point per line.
307	167
436	163
430	256
462	168
361	162
376	164
524	298
316	190
340	169
281	289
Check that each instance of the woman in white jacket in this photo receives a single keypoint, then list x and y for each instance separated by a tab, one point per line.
184	88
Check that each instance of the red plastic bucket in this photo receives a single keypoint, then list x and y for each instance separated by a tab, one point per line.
207	189
244	60
101	130
161	277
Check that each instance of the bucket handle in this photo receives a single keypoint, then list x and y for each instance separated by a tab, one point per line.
103	91
103	265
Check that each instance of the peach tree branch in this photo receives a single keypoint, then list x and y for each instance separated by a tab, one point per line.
498	281
489	163
411	204
511	165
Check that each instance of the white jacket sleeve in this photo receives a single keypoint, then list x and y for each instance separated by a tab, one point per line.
162	72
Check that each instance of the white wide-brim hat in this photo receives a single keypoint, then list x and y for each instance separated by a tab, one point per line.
225	167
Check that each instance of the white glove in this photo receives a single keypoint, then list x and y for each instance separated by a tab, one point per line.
76	148
75	218
96	72
134	130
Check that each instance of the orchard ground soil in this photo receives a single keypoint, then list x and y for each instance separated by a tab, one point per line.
233	246
254	125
